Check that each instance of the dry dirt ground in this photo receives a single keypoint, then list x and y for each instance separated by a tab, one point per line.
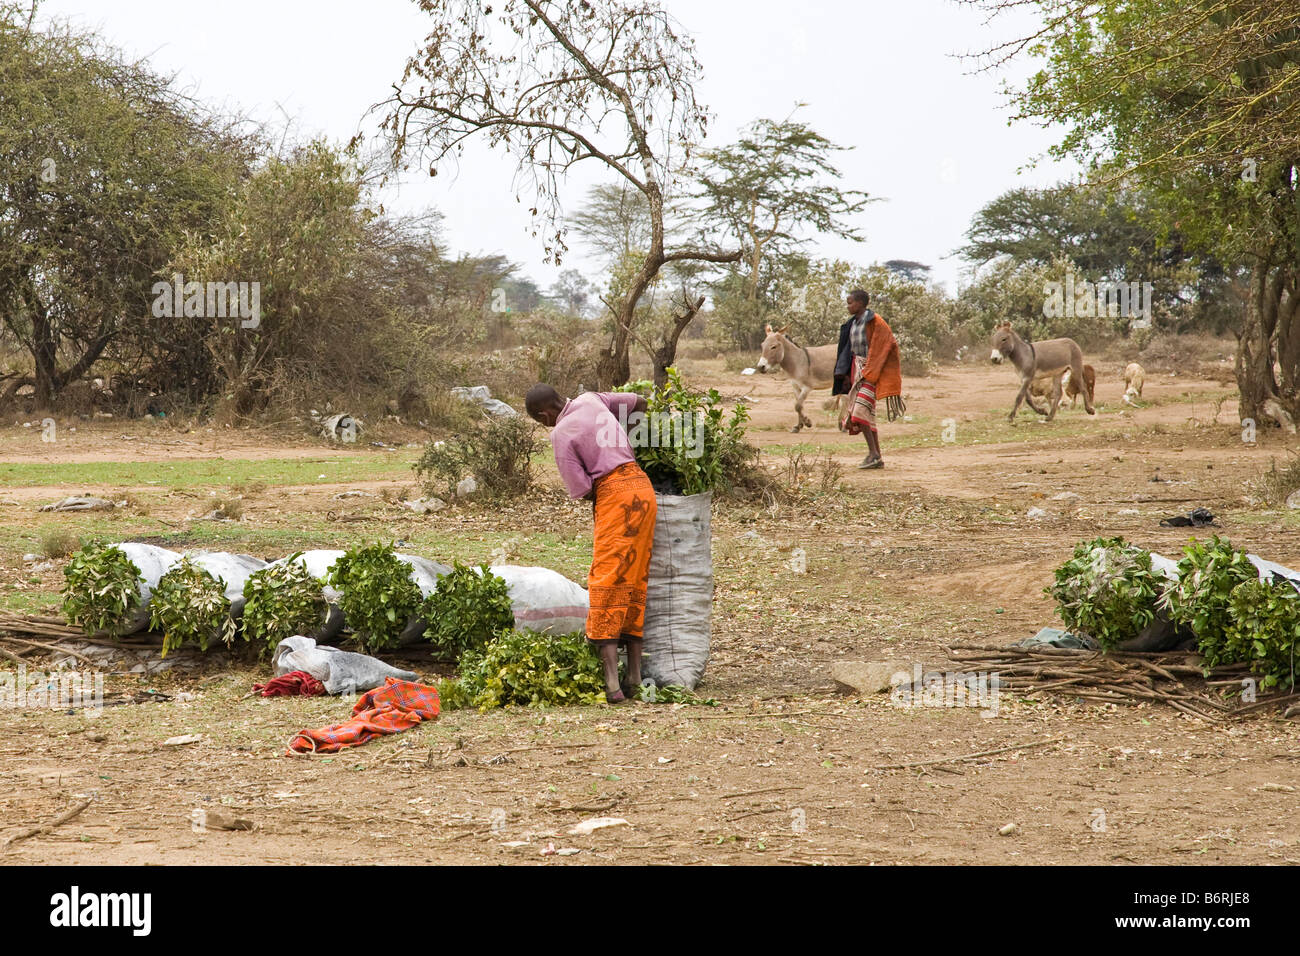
936	547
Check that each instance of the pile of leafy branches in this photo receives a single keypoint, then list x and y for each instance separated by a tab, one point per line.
496	452
684	445
102	588
1265	630
1107	590
1201	600
379	595
527	669
190	604
468	609
282	600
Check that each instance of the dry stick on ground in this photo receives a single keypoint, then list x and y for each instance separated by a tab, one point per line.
961	757
57	821
53	648
12	656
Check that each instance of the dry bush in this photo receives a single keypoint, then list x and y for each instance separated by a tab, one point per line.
57	542
497	453
1274	486
1198	355
806	477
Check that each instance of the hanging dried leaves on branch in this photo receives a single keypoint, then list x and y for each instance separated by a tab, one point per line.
556	84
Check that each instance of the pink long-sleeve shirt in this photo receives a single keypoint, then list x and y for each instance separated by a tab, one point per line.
590	438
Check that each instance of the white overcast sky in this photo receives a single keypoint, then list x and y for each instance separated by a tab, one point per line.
930	138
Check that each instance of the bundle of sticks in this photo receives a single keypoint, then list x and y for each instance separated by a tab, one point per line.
1173	678
23	635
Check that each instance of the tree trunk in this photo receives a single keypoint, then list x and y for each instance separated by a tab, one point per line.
666	354
1254	362
45	352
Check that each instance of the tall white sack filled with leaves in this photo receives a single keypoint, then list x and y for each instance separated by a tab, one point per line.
679	593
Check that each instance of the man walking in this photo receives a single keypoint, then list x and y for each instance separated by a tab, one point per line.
595	461
867	369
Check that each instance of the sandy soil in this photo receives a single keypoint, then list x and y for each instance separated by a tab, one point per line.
934	548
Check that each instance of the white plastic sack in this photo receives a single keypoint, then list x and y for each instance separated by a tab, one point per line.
233	569
544	600
424	573
342	672
679	594
153	562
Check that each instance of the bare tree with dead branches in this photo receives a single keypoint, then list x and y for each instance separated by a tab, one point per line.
557	84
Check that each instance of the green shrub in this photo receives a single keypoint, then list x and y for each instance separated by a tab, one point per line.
102	588
529	669
496	452
282	600
1207	576
1265	630
190	604
379	596
467	610
1107	590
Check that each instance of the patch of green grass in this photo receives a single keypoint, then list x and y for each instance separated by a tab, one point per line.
30	602
208	472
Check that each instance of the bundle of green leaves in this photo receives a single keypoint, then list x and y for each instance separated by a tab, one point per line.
1108	590
528	669
1207	576
282	600
1265	630
101	589
190	604
468	609
379	595
683	442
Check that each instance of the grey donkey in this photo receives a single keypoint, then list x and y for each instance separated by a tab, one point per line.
1036	360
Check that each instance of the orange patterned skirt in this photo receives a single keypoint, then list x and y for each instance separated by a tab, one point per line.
620	559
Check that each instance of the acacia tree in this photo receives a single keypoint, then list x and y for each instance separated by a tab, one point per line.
103	166
556	84
1200	103
768	190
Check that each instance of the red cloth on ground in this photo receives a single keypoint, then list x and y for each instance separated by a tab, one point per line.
397	706
292	684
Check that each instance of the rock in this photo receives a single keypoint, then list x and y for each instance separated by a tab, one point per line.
1035	513
869	677
466	486
1009	830
182	740
1293	500
203	818
1065	496
424	506
482	396
80	503
588	827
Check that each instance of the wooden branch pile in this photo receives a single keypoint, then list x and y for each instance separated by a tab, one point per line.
1117	677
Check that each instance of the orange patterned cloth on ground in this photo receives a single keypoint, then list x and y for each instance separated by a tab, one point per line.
620	561
397	706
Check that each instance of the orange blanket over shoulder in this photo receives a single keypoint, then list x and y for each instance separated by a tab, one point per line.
883	366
